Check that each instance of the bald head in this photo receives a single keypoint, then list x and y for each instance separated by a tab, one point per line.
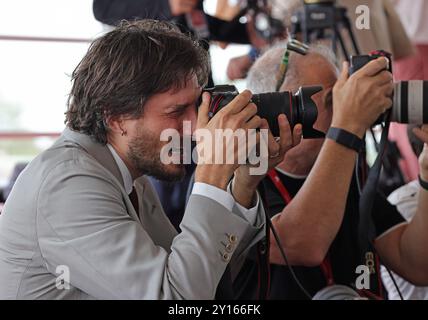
319	61
318	67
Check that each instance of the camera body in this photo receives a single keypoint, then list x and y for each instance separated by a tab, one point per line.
298	107
357	62
410	100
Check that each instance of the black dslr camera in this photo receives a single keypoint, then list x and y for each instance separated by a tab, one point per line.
410	101
298	107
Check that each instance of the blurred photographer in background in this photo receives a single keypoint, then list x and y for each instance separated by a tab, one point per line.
386	30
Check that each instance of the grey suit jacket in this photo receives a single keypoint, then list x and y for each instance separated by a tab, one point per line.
69	220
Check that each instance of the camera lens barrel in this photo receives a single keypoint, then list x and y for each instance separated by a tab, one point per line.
299	108
410	104
271	105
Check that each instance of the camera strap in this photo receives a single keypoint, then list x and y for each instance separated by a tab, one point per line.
326	264
366	228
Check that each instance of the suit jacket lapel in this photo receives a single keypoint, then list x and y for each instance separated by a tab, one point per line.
151	215
100	152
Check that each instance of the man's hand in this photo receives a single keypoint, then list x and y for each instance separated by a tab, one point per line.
239	116
359	100
244	184
179	7
238	67
422	134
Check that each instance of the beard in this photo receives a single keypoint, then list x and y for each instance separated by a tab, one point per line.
144	153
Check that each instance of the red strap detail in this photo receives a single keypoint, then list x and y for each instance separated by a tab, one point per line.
216	104
379	275
326	264
327	270
273	175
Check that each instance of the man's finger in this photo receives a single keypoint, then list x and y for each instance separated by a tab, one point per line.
286	138
273	146
385	103
254	123
248	112
373	68
297	134
421	134
387	89
382	78
239	102
203	117
344	74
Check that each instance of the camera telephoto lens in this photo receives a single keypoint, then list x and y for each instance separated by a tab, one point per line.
298	107
410	102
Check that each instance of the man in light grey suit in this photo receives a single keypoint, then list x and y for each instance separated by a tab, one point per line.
83	222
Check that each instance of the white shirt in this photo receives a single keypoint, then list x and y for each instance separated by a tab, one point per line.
414	16
406	200
222	197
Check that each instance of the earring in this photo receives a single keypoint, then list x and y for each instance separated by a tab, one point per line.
123	133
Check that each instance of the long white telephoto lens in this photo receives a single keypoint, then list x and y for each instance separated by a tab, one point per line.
411	102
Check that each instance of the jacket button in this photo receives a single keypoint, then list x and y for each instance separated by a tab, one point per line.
229	247
233	238
225	257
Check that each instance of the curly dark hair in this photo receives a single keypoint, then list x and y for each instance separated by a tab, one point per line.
125	67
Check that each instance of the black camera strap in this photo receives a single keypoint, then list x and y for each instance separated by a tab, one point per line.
263	251
366	228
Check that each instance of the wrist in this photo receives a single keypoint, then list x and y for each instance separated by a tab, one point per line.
245	180
345	138
242	194
210	176
355	129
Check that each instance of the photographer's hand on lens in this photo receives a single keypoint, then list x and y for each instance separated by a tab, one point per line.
245	184
238	114
359	100
422	134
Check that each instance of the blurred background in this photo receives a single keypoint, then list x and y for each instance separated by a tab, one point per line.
41	42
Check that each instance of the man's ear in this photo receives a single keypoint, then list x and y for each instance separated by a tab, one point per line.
115	124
